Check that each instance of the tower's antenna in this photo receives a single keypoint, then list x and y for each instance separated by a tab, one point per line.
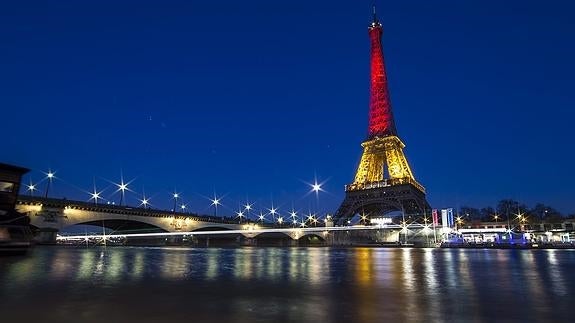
375	22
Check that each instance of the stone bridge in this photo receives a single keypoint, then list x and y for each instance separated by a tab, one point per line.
49	216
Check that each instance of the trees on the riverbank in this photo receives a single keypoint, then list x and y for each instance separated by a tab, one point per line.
512	210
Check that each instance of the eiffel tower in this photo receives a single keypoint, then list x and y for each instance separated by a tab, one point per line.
384	181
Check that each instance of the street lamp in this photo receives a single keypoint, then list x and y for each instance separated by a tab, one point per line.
175	196
261	217
49	176
215	202
363	218
95	195
248	208
273	212
122	187
459	221
496	217
31	188
293	215
240	215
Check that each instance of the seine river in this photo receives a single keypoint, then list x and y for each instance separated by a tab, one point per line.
138	284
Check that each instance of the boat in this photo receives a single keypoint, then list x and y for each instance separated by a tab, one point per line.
15	232
15	239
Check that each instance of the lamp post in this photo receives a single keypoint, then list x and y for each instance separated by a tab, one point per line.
31	188
145	202
247	209
316	188
215	203
95	195
240	214
175	196
49	176
293	215
122	187
261	217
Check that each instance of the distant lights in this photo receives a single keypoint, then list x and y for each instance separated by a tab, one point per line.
316	187
215	202
381	221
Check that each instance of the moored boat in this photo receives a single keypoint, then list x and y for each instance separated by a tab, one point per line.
15	232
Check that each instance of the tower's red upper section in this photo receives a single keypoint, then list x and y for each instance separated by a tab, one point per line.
381	122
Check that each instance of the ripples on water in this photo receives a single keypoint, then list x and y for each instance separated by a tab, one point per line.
122	284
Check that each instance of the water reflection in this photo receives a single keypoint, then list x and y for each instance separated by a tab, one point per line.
295	284
555	273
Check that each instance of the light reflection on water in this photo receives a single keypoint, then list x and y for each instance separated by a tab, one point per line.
293	284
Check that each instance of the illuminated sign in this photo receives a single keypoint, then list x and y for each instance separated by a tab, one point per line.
381	221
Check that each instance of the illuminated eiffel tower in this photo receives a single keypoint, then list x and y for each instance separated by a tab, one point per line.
384	181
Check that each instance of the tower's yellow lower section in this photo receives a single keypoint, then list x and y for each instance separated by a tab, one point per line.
383	163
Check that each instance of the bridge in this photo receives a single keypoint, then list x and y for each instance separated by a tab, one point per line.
50	216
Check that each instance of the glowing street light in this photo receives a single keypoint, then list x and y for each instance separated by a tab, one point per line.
183	207
50	175
273	212
95	195
293	215
145	202
261	217
175	196
280	220
215	202
31	188
240	215
122	187
248	208
316	187
459	221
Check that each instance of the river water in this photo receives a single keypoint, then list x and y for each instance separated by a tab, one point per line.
139	284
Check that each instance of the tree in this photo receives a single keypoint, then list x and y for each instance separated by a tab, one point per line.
469	213
487	213
509	208
546	213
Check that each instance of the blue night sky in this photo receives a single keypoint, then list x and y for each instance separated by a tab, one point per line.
254	98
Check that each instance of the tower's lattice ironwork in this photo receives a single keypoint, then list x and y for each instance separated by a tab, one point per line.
384	181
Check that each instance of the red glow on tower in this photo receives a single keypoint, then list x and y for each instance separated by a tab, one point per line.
381	122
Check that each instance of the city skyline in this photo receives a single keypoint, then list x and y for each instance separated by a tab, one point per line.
166	96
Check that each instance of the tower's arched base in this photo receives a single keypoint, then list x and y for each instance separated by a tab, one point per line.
379	201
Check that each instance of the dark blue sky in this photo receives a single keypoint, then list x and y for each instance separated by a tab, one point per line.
252	98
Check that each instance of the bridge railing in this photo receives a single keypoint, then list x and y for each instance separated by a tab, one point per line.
119	209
